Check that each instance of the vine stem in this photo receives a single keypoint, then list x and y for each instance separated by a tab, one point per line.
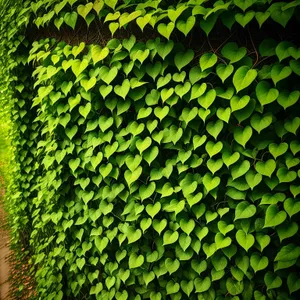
224	42
257	56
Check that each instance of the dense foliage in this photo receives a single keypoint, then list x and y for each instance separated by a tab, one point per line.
147	169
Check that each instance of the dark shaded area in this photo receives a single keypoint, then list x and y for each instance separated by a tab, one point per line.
98	33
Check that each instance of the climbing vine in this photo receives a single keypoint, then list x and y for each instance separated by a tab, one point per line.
153	170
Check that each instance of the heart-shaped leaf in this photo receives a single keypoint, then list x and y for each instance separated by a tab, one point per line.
232	52
244	239
274	217
243	77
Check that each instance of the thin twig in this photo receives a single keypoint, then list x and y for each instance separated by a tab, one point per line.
257	56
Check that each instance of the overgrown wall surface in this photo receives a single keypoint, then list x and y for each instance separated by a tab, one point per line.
155	169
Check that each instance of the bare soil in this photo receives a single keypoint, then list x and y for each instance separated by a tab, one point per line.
4	257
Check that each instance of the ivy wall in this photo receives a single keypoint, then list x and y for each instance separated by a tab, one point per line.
156	147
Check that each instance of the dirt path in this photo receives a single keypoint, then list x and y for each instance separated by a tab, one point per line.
4	254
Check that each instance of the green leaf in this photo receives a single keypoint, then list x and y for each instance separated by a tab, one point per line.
292	125
70	19
243	77
131	177
182	59
287	230
210	182
295	66
274	217
224	228
232	52
267	47
101	244
166	29
224	71
186	26
105	123
210	216
159	225
153	70
74	164
244	210
214	128
272	281
278	150
209	250
153	209
98	53
113	27
208	24
261	17
83	10
242	135
198	141
122	90
208	60
170	237
288	253
163	49
266	168
195	74
243	4
187	225
187	287
207	99
244	239
162	81
239	170
284	175
293	282
280	72
287	99
180	90
291	206
135	260
172	265
172	287
133	234
234	287
237	103
161	113
224	114
262	240
282	50
105	90
85	110
258	263
88	84
198	90
214	165
222	241
260	123
253	179
243	20
213	148
202	285
145	192
142	145
150	154
229	158
108	75
188	114
143	21
282	17
265	94
79	66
